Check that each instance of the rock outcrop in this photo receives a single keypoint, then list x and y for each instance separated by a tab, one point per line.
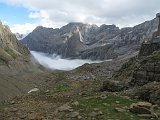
149	69
141	108
140	76
148	47
17	66
14	56
92	42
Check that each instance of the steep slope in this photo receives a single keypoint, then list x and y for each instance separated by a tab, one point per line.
18	69
104	42
140	76
14	56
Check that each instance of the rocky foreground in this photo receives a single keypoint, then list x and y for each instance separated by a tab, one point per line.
65	99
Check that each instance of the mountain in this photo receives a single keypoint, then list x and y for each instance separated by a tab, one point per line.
14	56
78	40
18	69
19	36
140	76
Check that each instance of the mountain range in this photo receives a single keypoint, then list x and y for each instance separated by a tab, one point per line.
85	41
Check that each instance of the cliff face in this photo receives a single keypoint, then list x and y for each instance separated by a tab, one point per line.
104	42
8	40
148	47
146	78
14	56
18	69
149	70
140	76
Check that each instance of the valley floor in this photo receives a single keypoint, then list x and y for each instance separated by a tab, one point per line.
65	99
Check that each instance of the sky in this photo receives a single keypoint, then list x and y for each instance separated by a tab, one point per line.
24	15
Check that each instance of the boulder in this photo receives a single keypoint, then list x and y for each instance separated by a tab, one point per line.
76	103
141	108
33	90
120	110
93	114
149	92
112	86
74	114
65	107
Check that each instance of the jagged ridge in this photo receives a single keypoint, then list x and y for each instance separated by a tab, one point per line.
93	42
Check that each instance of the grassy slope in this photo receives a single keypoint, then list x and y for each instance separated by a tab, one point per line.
44	103
7	55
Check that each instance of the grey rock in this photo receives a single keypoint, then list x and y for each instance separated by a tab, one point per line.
100	113
78	40
76	103
64	107
93	114
141	108
120	110
112	86
32	116
12	102
79	117
74	114
145	116
117	102
23	116
13	109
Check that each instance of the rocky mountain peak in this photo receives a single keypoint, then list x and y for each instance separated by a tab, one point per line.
39	27
76	30
8	40
12	52
157	33
19	36
104	26
148	47
104	42
158	15
4	28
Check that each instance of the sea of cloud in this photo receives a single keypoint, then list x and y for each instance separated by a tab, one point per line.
55	62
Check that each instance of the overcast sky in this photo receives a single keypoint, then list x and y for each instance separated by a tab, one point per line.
24	15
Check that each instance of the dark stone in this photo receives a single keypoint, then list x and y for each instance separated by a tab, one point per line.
158	15
140	108
113	86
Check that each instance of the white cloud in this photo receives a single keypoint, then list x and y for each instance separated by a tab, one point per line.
4	22
55	13
39	14
43	16
23	28
55	62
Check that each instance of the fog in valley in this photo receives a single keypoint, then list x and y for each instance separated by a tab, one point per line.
55	62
